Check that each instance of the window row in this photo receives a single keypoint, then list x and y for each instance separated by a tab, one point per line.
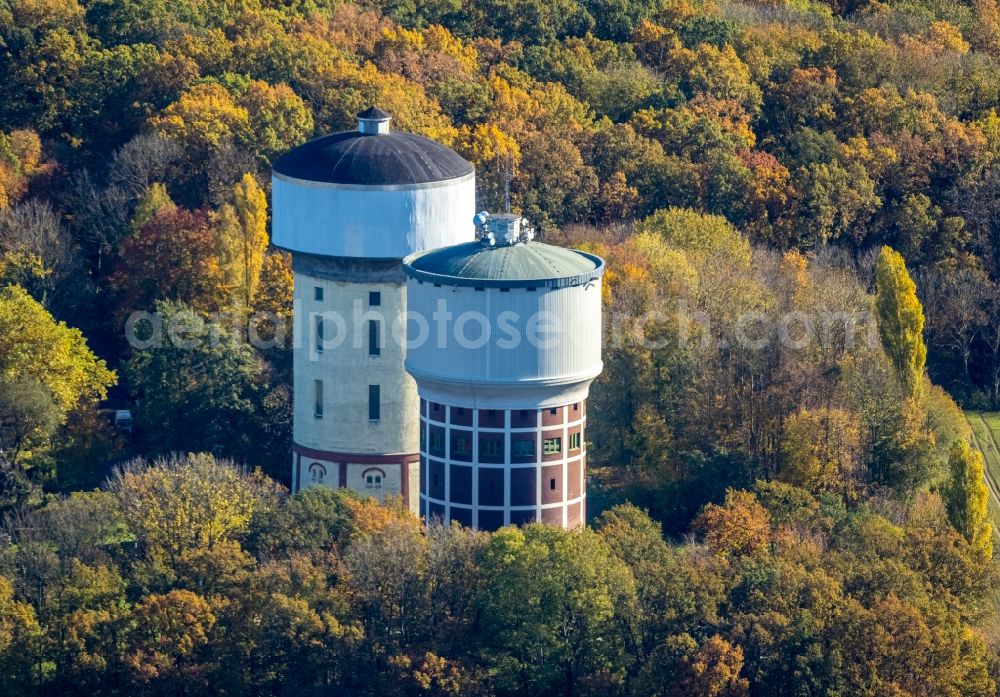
374	336
500	418
496	486
461	445
374	297
373	477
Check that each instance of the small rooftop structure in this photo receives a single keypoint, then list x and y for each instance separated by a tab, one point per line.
373	121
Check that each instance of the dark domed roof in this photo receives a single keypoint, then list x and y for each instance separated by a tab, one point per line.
504	266
384	158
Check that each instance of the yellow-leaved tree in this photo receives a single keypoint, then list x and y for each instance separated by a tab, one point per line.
34	344
203	118
155	199
241	230
178	504
275	296
820	450
20	153
966	497
900	319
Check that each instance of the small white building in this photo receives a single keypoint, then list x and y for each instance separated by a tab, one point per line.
349	206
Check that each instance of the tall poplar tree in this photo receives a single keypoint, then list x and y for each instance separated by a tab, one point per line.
243	240
967	497
900	319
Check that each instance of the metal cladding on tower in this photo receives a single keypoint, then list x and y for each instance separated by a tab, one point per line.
513	341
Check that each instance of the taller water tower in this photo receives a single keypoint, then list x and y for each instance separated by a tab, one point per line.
349	206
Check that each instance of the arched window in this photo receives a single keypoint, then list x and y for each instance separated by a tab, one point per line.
317	473
373	479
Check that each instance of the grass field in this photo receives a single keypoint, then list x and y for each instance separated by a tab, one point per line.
986	435
986	432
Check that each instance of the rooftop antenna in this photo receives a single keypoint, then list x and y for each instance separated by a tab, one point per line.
508	174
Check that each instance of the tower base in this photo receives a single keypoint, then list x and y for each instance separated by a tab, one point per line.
377	476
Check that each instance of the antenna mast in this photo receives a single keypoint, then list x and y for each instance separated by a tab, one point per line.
508	174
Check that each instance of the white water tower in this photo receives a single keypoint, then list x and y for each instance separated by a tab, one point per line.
503	386
349	206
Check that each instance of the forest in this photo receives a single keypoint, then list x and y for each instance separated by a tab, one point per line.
794	506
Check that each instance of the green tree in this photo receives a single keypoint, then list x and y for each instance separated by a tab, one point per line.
200	388
699	233
47	373
155	199
28	417
549	608
316	518
280	120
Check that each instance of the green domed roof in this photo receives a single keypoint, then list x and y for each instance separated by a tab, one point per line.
504	266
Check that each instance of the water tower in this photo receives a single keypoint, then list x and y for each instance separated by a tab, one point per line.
349	206
509	343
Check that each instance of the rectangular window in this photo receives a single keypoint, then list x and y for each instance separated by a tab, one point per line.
554	411
374	408
318	294
461	446
318	388
437	442
490	448
319	334
374	340
574	441
523	448
552	446
423	437
374	298
552	484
